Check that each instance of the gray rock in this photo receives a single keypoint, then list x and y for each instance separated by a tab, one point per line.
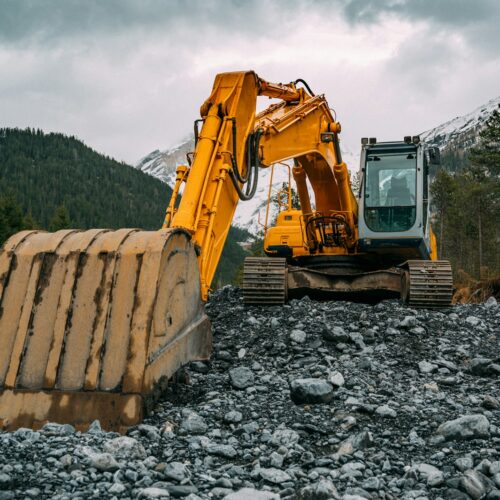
284	437
335	334
125	447
275	323
433	475
464	463
426	367
324	489
199	367
251	494
454	494
311	390
415	439
357	339
33	492
5	480
26	434
482	367
222	450
475	484
154	493
372	484
193	423
273	475
354	443
491	303
150	431
276	460
298	336
241	377
53	429
117	489
95	427
473	320
352	470
386	411
466	427
103	462
490	403
408	322
179	490
233	417
176	471
336	379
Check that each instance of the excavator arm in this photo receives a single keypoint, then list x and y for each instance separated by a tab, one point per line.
235	141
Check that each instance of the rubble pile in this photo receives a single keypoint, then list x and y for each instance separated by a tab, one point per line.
313	400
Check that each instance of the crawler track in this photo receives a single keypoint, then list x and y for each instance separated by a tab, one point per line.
264	281
427	284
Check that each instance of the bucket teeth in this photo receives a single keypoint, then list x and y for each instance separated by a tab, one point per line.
93	322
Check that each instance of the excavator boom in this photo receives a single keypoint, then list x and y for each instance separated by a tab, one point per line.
234	142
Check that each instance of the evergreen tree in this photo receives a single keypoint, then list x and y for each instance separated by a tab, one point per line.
11	217
60	219
30	222
442	191
486	156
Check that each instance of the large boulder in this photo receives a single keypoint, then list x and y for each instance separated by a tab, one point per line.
311	390
465	427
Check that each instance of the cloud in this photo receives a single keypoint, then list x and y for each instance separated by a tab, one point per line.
52	21
474	20
128	76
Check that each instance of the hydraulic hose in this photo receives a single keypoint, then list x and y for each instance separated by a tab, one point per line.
300	80
234	158
253	165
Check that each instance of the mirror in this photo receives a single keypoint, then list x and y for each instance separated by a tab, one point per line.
434	156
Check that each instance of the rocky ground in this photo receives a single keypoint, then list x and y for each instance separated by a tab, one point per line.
313	400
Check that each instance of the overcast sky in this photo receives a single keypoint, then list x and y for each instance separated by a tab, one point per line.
128	76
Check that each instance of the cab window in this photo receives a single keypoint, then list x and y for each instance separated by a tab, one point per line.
390	191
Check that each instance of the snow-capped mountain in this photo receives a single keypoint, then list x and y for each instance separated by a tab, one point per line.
459	133
162	164
250	214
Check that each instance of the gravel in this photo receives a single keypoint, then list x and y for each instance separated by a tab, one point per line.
313	400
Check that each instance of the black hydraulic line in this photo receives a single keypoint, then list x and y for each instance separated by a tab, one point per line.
322	220
300	80
253	165
234	158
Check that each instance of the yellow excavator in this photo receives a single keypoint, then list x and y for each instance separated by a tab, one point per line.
94	323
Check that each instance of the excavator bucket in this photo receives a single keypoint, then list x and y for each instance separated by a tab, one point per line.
94	323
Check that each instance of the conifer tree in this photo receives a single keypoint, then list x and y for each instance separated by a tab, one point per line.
11	217
486	156
60	219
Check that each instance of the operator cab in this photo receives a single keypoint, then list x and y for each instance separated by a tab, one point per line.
394	199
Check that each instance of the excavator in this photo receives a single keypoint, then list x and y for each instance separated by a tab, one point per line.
94	323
